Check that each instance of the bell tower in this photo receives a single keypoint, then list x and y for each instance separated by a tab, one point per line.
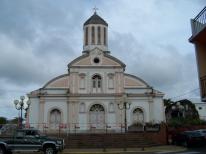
95	33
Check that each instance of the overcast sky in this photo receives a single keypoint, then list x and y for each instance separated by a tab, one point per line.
38	38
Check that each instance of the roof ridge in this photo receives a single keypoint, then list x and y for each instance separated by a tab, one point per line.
95	19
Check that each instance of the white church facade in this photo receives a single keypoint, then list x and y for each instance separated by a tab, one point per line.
96	85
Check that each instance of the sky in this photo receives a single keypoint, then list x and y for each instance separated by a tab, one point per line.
39	38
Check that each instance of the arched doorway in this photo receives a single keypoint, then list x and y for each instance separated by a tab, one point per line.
138	116
55	119
97	116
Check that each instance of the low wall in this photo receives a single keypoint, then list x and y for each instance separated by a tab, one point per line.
159	137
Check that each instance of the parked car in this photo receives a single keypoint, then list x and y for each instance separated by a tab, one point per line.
188	139
202	132
30	140
8	129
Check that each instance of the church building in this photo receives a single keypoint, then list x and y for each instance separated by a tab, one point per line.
95	91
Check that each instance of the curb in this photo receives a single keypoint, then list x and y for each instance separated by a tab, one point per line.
159	149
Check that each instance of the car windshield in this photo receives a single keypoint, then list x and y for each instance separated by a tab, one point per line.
32	133
193	134
204	131
201	131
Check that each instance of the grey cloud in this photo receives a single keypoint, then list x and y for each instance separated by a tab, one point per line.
2	92
162	66
53	46
20	66
36	39
22	20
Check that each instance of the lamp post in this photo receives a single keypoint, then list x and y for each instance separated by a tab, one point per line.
125	107
180	109
20	105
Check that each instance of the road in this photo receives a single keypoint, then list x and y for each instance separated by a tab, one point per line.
201	150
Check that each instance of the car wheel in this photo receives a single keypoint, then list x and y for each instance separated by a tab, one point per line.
185	144
50	150
2	150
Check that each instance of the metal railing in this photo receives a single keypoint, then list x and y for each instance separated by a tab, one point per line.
199	22
75	128
203	86
78	128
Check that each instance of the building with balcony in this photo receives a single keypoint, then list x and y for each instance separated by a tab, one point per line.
198	38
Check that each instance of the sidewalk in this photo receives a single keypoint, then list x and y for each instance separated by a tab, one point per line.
161	149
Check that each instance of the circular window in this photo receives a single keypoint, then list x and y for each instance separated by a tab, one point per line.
96	60
200	108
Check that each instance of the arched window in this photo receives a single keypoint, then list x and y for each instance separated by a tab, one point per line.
96	83
105	41
138	116
99	35
93	35
97	108
86	36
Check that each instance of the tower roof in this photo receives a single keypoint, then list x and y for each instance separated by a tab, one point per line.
95	19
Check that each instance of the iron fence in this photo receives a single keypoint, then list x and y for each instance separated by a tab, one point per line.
80	128
199	22
75	128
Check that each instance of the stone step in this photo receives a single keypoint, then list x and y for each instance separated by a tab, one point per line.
106	140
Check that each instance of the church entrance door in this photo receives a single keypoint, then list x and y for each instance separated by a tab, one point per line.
138	116
97	116
55	119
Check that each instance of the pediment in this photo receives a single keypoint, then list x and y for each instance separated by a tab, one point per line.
61	81
109	62
87	60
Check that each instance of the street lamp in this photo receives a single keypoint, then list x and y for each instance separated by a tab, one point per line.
20	105
180	109
125	106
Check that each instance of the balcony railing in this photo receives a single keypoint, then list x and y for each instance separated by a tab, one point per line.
199	22
203	87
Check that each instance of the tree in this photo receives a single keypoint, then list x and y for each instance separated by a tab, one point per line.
3	120
168	102
181	113
14	120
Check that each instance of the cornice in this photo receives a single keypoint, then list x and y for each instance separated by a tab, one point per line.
94	95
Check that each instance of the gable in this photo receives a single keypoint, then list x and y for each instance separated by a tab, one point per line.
131	81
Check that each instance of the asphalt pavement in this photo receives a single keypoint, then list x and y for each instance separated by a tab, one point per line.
168	149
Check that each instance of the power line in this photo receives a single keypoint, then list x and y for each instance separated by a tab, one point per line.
191	91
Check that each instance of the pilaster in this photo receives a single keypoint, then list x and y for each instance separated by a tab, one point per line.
41	111
150	101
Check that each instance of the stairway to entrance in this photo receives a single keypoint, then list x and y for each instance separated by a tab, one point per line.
130	140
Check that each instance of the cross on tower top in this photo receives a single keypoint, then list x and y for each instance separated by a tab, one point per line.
95	9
